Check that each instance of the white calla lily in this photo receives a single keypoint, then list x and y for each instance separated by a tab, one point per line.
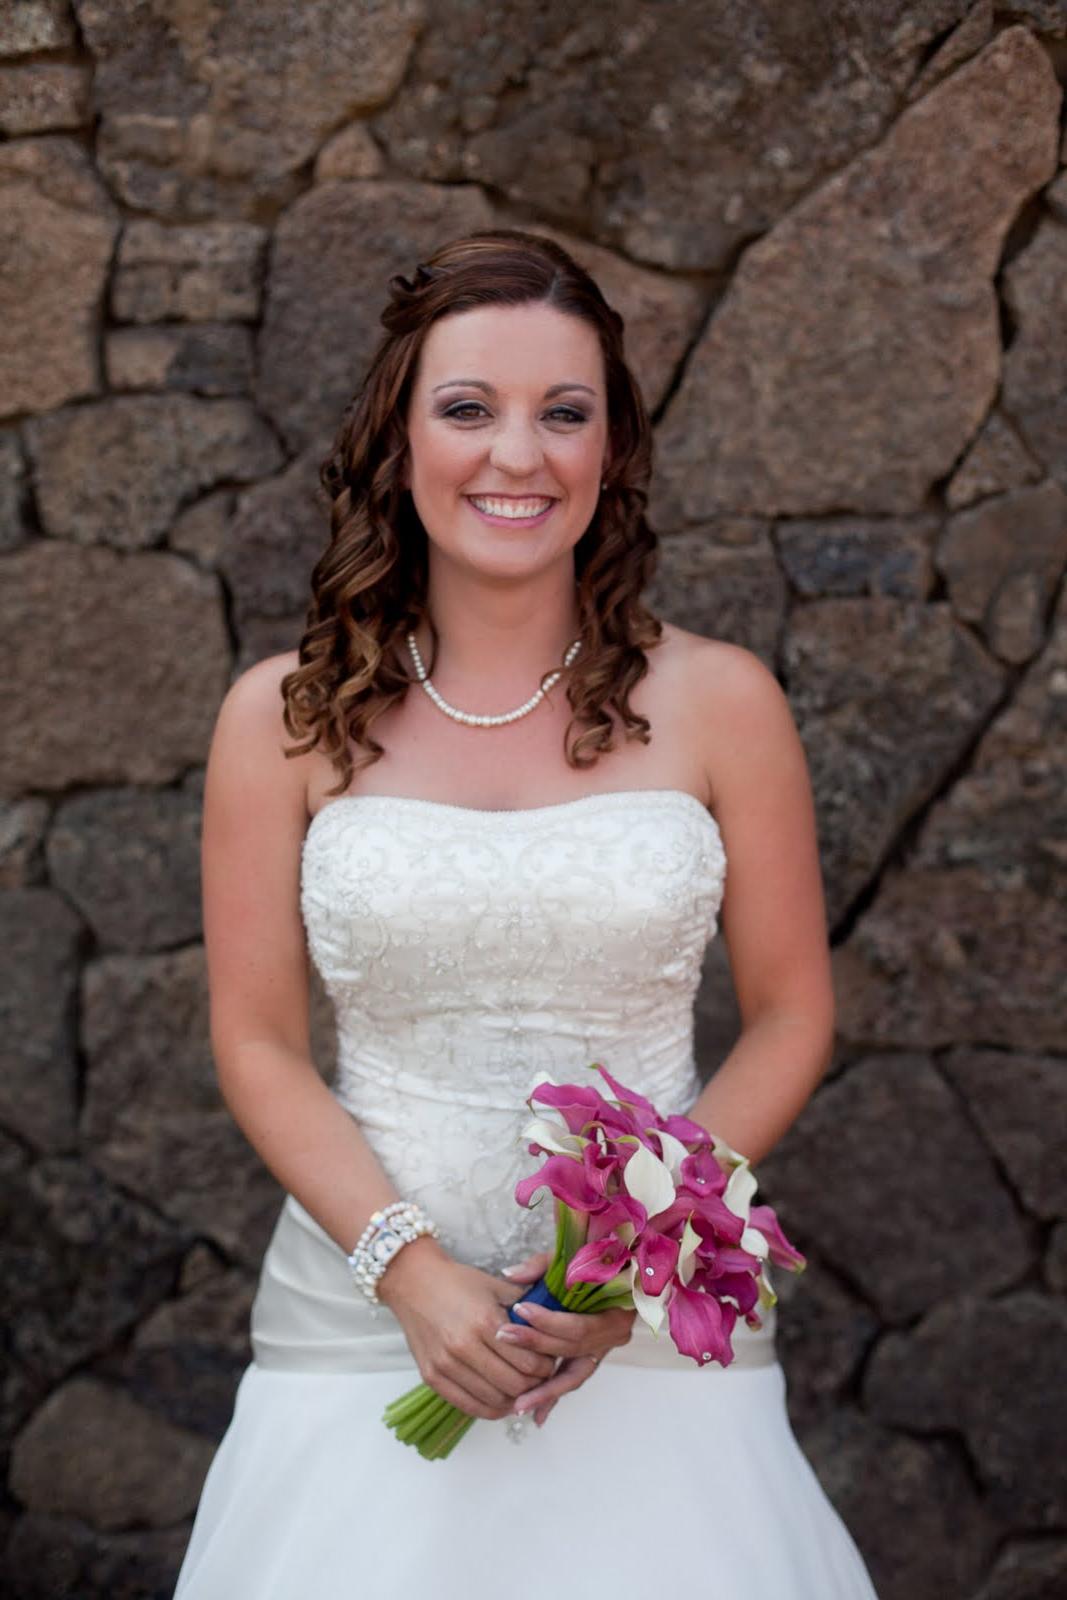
553	1136
741	1186
649	1307
674	1152
687	1252
723	1152
647	1180
754	1242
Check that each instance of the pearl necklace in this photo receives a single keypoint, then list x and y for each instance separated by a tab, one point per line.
469	717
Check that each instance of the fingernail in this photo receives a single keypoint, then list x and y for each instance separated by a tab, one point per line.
510	1272
521	1407
521	1310
504	1332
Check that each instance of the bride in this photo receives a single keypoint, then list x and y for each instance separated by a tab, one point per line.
505	808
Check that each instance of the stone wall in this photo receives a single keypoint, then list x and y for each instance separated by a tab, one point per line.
838	235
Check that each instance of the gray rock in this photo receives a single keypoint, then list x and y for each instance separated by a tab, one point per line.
1035	363
208	273
918	1174
1056	1259
858	555
823	1334
201	530
80	1263
183	132
843	322
33	25
132	617
334	252
130	861
1020	1104
53	1558
13	506
1056	197
40	936
56	236
964	41
909	1503
115	472
43	97
996	461
154	1118
22	825
350	153
968	942
93	1453
721	591
272	542
994	1371
1003	560
1027	1572
918	689
212	358
676	142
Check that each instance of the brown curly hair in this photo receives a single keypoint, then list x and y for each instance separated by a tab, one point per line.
369	586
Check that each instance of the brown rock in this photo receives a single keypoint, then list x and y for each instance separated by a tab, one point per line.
822	1336
36	25
273	540
210	273
42	97
968	943
22	825
57	227
996	461
678	143
208	358
351	153
995	1373
267	636
898	1120
1026	1572
183	130
1045	16
115	472
1056	197
858	555
722	592
132	617
334	252
40	937
130	861
13	528
843	322
1020	1104
910	1505
965	40
92	1452
166	1135
1003	560
1056	1259
918	688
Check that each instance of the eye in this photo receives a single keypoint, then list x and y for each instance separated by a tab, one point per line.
567	413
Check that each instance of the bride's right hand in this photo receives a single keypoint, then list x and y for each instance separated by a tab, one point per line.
450	1313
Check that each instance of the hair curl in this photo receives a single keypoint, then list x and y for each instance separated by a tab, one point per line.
369	586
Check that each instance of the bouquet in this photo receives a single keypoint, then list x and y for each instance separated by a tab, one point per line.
653	1214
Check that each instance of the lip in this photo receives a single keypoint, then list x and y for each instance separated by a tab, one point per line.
512	522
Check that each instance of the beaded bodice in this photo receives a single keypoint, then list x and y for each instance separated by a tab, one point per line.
470	954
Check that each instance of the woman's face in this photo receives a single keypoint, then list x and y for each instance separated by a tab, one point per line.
508	436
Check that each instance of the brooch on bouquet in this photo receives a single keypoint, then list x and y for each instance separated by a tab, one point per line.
653	1214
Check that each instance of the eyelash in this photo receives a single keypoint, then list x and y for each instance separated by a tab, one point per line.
453	411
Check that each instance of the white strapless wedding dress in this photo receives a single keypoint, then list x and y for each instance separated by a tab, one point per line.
469	953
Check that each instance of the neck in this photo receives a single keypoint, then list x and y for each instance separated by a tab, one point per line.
495	637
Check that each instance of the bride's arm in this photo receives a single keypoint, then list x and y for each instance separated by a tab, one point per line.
255	818
773	915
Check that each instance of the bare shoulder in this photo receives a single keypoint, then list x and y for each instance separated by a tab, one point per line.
250	735
738	714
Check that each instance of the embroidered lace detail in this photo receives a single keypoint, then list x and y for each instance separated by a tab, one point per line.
470	954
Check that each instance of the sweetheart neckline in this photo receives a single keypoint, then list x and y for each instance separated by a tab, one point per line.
484	813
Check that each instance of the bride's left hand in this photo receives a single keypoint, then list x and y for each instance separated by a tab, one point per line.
578	1340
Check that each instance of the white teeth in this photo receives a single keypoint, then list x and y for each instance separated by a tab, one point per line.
510	508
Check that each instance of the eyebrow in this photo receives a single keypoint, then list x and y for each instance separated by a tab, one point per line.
487	388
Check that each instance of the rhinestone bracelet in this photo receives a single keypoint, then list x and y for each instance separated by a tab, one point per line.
387	1232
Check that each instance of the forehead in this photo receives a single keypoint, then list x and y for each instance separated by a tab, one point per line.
512	347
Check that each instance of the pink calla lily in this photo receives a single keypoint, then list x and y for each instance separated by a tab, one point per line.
700	1325
621	1211
597	1262
702	1174
782	1253
657	1257
565	1177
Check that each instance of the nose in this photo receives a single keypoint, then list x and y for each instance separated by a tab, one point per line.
516	448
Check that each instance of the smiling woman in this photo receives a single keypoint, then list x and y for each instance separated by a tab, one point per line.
494	898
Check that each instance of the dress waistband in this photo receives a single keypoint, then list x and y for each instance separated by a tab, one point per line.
308	1316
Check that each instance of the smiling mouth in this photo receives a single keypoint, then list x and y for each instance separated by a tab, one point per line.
514	508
